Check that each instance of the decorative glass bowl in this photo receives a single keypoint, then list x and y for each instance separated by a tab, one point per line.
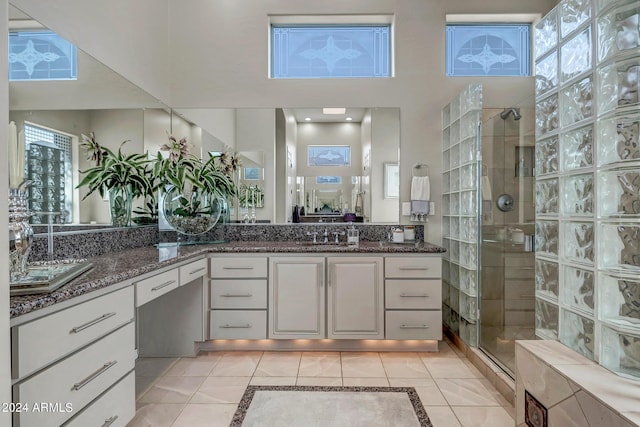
191	213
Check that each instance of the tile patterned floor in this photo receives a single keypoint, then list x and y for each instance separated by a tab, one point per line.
205	391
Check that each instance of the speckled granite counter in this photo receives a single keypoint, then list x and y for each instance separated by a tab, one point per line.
116	267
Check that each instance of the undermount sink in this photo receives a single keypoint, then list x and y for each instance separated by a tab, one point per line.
321	244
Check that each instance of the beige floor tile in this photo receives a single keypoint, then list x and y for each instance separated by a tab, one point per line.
237	364
156	414
366	382
278	364
143	384
320	365
444	350
319	381
172	390
221	390
450	368
273	381
442	416
361	365
212	356
483	416
153	366
188	367
403	365
466	392
206	415
426	388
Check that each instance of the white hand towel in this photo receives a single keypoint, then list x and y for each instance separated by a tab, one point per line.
420	188
486	188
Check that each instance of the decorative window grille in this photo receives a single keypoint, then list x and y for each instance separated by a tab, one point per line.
488	50
49	167
41	55
330	51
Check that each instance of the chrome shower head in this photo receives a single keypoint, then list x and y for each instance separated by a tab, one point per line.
513	110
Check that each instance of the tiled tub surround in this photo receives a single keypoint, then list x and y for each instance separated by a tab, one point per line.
574	390
116	267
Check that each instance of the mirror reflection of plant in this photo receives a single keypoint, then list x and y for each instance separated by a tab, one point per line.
190	176
115	170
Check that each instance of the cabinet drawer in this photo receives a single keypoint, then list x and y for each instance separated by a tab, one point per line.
413	325
79	379
157	285
238	324
193	271
239	293
413	294
115	408
38	343
411	267
238	267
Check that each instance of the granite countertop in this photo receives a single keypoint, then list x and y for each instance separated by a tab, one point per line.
116	267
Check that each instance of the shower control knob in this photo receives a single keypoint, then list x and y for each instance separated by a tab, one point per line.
505	202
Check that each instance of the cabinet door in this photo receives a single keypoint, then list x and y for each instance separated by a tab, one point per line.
296	297
355	301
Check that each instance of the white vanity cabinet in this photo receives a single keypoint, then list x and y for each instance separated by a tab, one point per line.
80	355
413	297
238	297
355	297
296	297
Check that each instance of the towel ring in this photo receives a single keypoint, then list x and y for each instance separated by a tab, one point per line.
418	167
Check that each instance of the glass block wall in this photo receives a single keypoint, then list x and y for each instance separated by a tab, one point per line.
460	165
588	180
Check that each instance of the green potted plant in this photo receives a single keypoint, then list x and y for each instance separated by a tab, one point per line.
196	191
123	177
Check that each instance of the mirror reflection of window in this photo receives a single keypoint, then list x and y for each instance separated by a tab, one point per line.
328	155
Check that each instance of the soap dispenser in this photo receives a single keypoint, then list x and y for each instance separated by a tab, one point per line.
353	236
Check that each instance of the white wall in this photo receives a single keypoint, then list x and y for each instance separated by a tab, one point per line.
234	74
385	135
128	36
5	344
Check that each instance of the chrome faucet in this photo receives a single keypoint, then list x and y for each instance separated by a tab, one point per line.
315	236
337	234
326	236
63	218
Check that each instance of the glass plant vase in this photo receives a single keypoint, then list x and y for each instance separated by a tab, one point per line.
193	212
120	206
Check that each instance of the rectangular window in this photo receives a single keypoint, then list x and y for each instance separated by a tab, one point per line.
488	50
41	55
49	168
328	180
328	155
330	51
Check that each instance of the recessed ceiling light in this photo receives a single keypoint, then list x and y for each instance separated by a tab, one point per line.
334	110
348	119
307	119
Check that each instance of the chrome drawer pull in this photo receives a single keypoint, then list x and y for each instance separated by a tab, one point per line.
414	327
414	295
77	329
413	268
164	285
236	295
96	374
197	270
239	267
228	326
110	421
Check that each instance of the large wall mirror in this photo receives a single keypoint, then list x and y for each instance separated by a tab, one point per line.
314	167
53	114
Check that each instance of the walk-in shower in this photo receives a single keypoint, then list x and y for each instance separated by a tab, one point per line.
488	224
